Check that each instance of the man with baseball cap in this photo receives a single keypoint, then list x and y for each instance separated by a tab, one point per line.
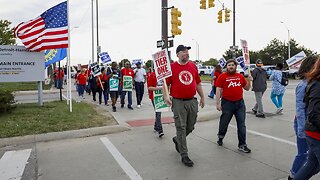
184	83
231	85
259	85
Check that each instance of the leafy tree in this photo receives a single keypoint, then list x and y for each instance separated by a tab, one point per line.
122	62
211	62
6	33
228	54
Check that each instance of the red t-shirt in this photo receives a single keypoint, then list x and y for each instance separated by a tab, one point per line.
60	74
216	74
184	80
314	135
231	86
56	74
152	82
82	79
126	72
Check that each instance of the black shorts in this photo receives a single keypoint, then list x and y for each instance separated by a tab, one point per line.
114	94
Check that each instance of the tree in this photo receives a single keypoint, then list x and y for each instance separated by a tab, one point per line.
211	62
228	54
6	33
149	64
122	62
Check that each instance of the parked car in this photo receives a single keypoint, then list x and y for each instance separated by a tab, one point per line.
293	73
205	70
269	69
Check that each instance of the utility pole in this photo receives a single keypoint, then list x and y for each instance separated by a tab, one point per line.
92	30
164	20
234	30
98	46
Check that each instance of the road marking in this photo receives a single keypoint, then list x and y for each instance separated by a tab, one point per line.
12	164
267	136
124	164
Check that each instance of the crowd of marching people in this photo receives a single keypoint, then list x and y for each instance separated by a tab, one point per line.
227	90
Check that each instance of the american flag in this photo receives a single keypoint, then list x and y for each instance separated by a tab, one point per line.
48	31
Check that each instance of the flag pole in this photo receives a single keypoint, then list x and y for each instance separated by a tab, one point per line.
69	74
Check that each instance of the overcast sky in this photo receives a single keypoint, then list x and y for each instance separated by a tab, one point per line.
130	28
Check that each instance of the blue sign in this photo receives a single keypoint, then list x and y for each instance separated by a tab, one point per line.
240	61
105	58
222	62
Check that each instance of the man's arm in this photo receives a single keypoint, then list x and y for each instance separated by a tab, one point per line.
218	96
247	86
200	92
166	93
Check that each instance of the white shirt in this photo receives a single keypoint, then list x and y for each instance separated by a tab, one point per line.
139	76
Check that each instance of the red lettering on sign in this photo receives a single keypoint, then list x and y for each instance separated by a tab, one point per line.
162	69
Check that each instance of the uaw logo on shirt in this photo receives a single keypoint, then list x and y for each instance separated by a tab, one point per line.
234	84
185	77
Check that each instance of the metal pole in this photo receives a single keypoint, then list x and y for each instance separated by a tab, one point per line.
69	46
40	94
288	43
92	30
164	17
234	29
97	14
198	58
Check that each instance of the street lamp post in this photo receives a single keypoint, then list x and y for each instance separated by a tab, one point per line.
197	49
288	38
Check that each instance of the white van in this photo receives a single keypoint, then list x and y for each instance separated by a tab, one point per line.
205	70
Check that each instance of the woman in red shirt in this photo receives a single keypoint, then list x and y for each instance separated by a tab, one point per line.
102	86
217	73
81	82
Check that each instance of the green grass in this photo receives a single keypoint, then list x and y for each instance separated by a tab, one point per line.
27	119
205	78
22	86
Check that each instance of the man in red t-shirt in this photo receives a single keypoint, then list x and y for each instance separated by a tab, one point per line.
231	84
184	83
126	71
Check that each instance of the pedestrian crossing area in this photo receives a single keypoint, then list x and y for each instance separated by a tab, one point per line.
13	163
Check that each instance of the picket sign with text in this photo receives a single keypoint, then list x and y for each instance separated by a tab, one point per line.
245	52
127	83
162	65
95	69
240	61
105	58
114	83
295	61
222	62
159	102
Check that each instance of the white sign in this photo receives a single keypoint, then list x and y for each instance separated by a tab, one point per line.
18	64
245	52
162	65
295	61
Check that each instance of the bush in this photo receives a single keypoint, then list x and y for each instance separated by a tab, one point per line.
6	101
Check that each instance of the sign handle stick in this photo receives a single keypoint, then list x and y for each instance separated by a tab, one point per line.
100	83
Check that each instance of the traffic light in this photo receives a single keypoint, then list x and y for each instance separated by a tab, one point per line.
220	16
175	22
227	15
211	4
203	4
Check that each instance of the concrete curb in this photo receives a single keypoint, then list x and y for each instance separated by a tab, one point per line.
21	140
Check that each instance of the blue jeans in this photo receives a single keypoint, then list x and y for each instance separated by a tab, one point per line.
59	83
81	89
302	154
311	167
212	92
277	99
238	109
123	96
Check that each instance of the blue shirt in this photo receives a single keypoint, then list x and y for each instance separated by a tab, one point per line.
276	77
301	110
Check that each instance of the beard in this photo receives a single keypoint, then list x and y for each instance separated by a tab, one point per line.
232	72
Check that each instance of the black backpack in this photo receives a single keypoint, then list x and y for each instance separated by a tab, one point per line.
284	79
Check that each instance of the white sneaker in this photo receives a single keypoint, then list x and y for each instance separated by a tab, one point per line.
138	106
279	110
